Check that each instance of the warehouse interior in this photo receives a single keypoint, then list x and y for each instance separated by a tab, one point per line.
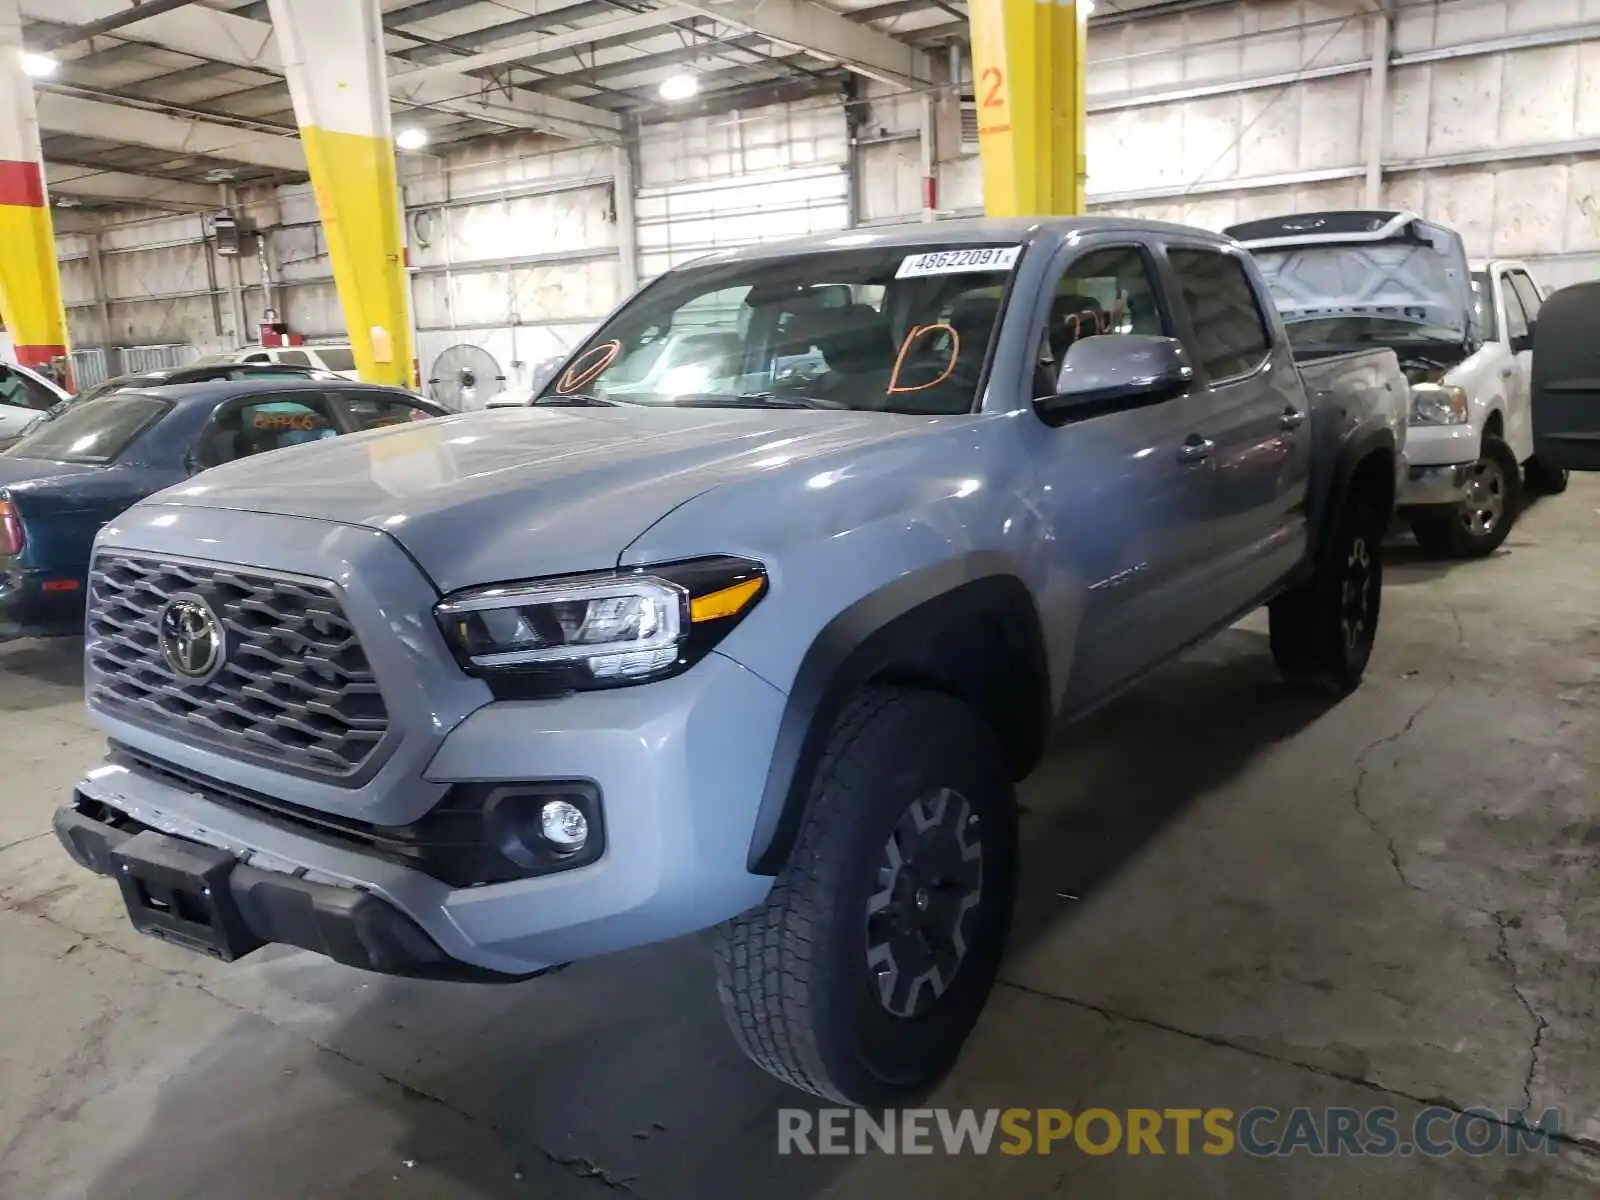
1232	895
1475	114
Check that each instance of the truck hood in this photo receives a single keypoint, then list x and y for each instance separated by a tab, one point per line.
1430	285
507	494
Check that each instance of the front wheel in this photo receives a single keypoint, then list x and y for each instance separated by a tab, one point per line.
1322	632
861	975
1477	525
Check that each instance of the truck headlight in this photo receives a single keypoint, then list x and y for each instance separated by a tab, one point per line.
598	630
1438	404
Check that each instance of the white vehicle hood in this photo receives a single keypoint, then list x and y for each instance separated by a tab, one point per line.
1398	280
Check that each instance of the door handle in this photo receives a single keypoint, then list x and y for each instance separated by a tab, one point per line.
1195	449
1292	418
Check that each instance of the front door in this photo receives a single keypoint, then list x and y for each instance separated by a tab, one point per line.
1566	380
1121	507
1519	421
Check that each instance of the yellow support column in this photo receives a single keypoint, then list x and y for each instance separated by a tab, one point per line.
333	54
30	282
1027	70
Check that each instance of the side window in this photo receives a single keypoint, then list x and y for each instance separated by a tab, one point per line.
1231	336
12	393
1105	292
294	358
374	410
1516	319
254	427
1527	293
19	391
258	357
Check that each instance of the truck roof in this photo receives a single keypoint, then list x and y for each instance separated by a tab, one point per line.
1023	230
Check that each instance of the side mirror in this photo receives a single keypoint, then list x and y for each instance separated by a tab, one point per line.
1116	371
1525	341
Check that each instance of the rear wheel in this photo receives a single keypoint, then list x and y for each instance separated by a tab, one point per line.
1478	524
861	975
1322	632
1544	480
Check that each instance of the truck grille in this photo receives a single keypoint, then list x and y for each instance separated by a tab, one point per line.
294	690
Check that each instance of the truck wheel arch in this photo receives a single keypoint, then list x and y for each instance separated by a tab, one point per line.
1366	461
968	628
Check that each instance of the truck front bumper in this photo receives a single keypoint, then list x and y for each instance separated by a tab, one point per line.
204	899
1428	486
678	767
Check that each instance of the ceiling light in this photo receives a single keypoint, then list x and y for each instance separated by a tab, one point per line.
1086	7
67	202
39	66
679	87
411	138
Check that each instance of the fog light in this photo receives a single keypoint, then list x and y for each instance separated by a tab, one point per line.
564	826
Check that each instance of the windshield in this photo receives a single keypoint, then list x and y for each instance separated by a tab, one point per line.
336	358
95	431
900	329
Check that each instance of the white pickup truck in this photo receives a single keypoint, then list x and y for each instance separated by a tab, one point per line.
1348	280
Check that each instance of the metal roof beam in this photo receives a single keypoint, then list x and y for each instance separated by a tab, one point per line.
64	179
127	125
825	33
207	33
545	44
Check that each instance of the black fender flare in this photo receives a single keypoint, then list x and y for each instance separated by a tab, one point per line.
1354	451
894	634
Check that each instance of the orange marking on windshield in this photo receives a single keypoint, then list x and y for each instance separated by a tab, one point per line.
578	375
917	331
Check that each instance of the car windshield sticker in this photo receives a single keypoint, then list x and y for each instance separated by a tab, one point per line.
957	262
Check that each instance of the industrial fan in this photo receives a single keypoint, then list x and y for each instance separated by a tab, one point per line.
465	377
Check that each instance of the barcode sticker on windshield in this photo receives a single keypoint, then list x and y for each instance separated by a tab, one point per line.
955	262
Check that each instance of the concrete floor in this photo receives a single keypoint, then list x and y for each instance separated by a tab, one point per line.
1231	897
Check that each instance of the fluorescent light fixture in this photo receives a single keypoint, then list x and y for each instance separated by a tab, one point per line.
679	87
39	66
411	138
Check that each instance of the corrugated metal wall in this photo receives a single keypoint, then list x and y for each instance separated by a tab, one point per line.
1206	117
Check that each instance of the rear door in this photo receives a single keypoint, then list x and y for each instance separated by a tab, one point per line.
1566	380
1255	423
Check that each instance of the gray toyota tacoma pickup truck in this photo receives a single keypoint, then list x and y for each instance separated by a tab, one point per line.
750	621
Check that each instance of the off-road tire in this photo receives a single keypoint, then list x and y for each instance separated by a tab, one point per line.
1458	531
1322	632
793	974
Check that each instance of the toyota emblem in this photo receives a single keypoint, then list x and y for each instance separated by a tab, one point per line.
191	638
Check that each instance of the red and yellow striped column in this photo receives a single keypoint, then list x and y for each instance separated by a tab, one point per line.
332	52
30	281
1028	80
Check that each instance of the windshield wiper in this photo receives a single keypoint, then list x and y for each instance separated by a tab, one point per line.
754	400
572	400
